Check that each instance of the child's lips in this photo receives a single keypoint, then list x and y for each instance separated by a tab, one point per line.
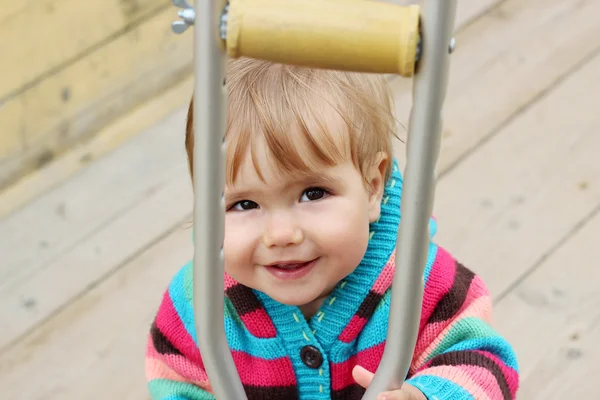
289	266
291	269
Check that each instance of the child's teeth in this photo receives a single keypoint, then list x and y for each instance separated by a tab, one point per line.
288	266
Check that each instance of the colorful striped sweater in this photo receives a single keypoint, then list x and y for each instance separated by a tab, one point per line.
281	356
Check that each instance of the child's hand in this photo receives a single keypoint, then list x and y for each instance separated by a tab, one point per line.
408	392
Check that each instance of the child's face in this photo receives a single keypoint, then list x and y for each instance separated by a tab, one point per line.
295	237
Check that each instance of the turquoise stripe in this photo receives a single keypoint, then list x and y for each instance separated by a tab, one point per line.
163	389
437	388
177	397
373	334
180	303
496	345
432	227
238	338
375	331
431	255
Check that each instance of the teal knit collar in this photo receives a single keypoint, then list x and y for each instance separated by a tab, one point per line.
343	303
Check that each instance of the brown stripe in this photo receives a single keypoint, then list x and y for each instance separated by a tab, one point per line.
457	358
271	392
352	392
161	343
369	304
243	299
452	301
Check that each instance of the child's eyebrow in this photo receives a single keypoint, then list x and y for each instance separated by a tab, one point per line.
314	180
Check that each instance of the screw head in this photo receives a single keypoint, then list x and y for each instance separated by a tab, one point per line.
452	45
179	27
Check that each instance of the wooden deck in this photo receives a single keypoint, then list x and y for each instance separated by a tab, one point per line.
88	247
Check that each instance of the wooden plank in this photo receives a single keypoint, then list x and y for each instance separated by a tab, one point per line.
81	99
552	319
95	347
10	8
46	45
466	10
504	60
469	10
116	134
518	196
54	32
105	191
38	294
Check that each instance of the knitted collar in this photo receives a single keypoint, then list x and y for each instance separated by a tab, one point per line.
353	299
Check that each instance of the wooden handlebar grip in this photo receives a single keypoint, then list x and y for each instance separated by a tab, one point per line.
352	35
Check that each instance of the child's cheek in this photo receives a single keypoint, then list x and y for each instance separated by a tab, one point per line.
237	244
341	230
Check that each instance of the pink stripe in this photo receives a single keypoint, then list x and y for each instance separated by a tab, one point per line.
438	283
229	281
477	290
353	328
512	377
434	334
169	323
485	379
173	367
384	281
260	372
155	369
183	366
462	377
259	324
341	374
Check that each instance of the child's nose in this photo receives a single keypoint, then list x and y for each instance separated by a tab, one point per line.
282	230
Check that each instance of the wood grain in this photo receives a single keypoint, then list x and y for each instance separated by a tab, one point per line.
77	101
521	193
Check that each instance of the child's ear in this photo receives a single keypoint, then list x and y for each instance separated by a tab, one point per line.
376	181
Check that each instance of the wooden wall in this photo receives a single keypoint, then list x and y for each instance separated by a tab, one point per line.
70	67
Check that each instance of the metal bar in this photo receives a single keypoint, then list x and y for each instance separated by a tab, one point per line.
423	145
210	107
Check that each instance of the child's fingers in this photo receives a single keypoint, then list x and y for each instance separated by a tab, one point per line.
407	392
395	395
362	376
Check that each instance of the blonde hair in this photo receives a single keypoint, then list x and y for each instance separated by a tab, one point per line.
289	107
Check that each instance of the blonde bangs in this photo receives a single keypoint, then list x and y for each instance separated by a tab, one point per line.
291	119
304	118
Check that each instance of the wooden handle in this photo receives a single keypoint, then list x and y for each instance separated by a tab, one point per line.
355	35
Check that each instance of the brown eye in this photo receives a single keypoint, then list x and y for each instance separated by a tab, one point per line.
313	194
244	205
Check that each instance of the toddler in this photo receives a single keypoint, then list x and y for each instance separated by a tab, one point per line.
312	211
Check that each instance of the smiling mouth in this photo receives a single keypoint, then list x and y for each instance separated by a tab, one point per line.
291	270
291	266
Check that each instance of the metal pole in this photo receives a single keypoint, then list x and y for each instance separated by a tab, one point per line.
423	145
210	105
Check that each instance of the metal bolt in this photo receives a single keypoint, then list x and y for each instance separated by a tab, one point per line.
187	15
452	45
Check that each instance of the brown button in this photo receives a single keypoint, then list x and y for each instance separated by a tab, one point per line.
311	357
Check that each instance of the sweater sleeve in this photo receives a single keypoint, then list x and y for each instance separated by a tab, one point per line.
458	354
174	368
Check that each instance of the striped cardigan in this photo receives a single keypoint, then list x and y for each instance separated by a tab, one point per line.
281	356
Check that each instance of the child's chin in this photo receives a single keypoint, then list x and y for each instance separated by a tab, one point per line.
292	300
